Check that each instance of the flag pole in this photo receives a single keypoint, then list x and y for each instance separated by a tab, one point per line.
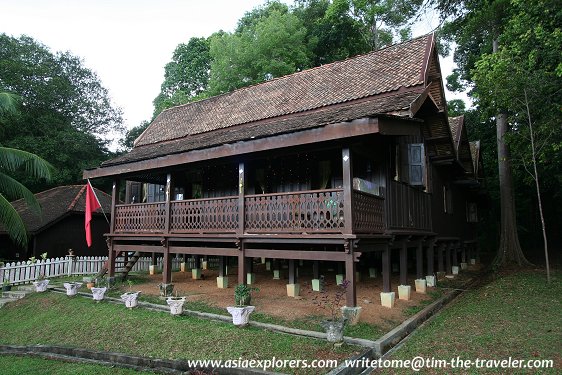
95	195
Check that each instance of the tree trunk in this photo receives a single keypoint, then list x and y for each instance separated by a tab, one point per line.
509	251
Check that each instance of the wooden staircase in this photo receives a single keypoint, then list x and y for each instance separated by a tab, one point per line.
123	272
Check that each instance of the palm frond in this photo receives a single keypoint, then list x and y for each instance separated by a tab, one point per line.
8	103
12	190
12	222
12	159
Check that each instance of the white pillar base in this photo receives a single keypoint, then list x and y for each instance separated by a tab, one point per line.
421	286
404	292
317	285
250	278
373	273
182	267
339	279
472	261
196	273
464	266
293	290
205	265
455	270
262	260
387	299
222	282
430	281
276	274
151	269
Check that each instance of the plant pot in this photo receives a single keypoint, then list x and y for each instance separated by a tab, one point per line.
98	293
41	285
72	288
130	299
176	305
240	314
333	329
90	285
6	288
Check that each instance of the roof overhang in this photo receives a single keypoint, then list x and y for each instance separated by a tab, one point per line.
384	125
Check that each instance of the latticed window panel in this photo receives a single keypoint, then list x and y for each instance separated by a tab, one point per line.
311	211
140	218
204	215
368	213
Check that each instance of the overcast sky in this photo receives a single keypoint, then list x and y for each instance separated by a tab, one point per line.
128	42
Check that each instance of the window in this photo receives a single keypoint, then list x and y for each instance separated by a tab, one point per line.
416	164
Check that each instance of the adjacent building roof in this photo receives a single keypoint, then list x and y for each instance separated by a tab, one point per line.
56	203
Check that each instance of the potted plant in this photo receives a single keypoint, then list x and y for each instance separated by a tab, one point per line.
176	304
242	309
41	283
90	283
98	291
72	288
335	324
130	298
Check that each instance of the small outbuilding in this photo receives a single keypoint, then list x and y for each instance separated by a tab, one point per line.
60	226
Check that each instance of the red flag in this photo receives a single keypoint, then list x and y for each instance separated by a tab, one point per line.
92	204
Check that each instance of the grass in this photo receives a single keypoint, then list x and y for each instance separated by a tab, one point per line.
53	318
15	365
516	315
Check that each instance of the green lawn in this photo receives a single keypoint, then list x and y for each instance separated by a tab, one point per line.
53	318
14	365
516	315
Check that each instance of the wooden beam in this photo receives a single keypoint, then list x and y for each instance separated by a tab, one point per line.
347	168
419	261
222	266
167	266
440	251
242	263
351	292
386	288
404	264
114	200
448	259
292	272
221	251
316	269
430	257
336	256
241	205
167	216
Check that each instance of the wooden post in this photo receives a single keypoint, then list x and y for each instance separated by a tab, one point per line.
463	252
167	265
455	249
111	260
347	189
316	269
419	261
167	204
197	261
222	266
440	250
404	264
449	269
114	200
386	270
241	264
351	293
154	262
241	185
292	273
430	257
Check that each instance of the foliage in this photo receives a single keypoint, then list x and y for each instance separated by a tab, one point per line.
65	114
243	294
332	303
132	134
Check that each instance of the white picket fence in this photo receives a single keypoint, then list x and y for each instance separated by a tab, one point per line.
24	273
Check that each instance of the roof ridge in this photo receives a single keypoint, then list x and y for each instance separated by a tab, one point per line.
75	200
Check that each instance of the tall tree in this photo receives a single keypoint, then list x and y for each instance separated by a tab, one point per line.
66	115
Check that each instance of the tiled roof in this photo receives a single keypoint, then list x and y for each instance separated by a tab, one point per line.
306	120
57	202
455	123
386	70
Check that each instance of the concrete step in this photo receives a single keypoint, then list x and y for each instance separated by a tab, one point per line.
14	294
26	288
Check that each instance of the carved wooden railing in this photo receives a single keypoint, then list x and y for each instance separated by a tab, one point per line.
140	218
408	207
367	213
204	215
297	212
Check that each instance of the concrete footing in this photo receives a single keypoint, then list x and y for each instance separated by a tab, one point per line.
430	281
222	282
317	285
373	273
196	273
404	292
151	269
352	314
387	299
250	278
472	261
464	266
421	286
276	274
205	265
262	260
182	267
339	278
455	270
293	290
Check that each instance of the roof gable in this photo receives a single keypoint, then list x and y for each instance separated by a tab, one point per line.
390	69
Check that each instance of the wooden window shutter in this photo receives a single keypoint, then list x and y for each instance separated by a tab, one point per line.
416	162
